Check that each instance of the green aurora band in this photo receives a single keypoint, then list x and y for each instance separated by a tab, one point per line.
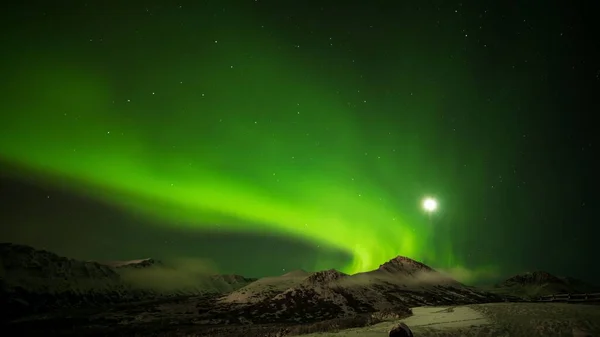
249	137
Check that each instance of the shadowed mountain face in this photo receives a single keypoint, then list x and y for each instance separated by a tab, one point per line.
534	278
541	283
34	269
36	280
33	281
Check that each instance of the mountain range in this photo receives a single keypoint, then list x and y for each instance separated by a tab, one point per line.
37	283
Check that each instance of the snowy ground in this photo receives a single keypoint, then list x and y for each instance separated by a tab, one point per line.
498	319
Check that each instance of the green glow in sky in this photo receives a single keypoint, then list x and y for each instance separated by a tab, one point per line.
238	134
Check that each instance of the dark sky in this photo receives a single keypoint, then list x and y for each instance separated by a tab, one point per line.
268	136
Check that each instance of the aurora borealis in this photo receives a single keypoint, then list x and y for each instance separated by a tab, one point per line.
297	122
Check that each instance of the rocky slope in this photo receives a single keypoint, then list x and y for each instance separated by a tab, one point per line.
265	288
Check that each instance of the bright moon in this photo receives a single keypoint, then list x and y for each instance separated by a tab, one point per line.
429	204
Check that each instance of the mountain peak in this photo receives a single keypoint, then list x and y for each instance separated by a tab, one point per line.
402	264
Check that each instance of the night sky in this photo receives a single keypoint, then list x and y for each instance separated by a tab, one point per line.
267	136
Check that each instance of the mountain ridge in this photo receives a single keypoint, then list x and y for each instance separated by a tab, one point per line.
33	281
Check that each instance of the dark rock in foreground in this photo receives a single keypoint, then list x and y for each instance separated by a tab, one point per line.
400	330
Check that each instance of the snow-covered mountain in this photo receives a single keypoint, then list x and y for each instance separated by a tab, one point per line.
398	283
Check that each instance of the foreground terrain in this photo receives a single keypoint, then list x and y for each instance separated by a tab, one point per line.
496	319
